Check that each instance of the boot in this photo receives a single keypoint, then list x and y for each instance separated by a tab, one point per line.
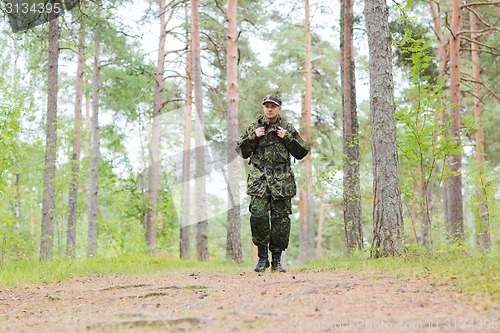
263	262
276	263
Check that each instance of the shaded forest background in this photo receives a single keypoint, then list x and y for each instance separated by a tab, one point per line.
112	93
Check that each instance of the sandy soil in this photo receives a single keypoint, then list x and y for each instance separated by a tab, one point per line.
334	301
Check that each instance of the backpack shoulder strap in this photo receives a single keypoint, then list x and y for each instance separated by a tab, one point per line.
283	122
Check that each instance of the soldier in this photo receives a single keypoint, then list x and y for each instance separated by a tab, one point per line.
269	142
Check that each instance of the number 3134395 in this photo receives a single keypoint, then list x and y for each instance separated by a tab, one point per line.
466	324
26	8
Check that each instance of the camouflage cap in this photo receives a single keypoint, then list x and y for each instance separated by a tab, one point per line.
273	99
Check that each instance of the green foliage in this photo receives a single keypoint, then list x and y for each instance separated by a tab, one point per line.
422	140
10	112
404	30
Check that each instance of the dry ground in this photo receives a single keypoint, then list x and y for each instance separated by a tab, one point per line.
335	301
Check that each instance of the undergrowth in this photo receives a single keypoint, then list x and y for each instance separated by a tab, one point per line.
464	271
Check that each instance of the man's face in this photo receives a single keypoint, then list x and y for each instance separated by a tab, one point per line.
271	111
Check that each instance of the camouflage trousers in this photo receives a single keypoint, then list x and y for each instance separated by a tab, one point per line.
270	222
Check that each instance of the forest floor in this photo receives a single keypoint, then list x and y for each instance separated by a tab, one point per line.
296	301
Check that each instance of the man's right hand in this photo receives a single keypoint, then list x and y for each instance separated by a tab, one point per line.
259	132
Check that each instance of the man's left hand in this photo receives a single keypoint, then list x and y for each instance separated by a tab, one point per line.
281	132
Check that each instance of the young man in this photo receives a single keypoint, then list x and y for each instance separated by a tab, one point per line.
269	142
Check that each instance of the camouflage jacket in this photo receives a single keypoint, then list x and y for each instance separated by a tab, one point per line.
269	155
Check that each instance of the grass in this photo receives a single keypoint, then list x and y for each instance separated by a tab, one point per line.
25	273
461	270
464	271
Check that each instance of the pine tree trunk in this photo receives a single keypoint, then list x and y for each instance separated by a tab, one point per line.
155	143
93	204
387	207
483	219
185	239
75	160
48	205
306	246
233	248
352	198
200	182
455	224
443	65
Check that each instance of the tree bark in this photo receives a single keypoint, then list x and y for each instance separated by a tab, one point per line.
425	193
352	199
75	160
455	223
443	70
306	235
387	207
438	30
200	182
233	248
155	143
185	239
483	219
93	204
48	205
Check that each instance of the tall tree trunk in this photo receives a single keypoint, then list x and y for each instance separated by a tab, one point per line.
75	160
93	204
306	246
352	198
455	223
155	144
483	219
185	239
438	30
443	70
233	248
387	207
48	205
200	182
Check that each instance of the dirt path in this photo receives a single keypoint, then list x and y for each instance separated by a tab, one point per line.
246	301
